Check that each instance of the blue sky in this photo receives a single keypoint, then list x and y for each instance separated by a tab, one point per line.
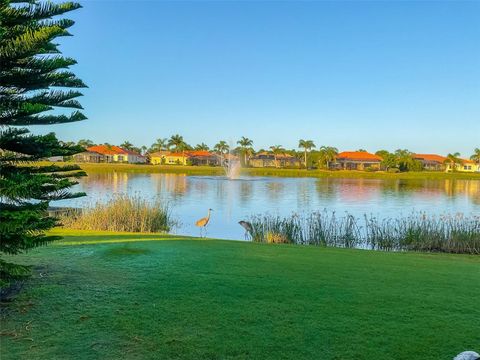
349	74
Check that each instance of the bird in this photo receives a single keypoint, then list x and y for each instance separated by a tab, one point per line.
203	222
467	355
248	228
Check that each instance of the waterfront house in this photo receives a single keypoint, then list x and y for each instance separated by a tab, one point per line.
114	153
158	157
203	157
357	160
176	158
431	161
191	157
464	166
267	159
89	156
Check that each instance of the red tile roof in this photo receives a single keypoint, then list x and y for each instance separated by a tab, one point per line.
200	153
430	157
111	150
467	161
358	156
191	153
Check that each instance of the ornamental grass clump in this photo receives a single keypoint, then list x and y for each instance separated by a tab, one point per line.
415	232
122	213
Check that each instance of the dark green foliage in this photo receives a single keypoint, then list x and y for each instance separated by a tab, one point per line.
30	65
401	159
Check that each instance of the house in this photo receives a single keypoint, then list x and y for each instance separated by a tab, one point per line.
89	156
158	157
464	166
191	157
176	158
267	159
114	153
357	160
203	157
55	158
431	161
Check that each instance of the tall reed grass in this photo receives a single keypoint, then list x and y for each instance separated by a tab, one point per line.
415	232
121	213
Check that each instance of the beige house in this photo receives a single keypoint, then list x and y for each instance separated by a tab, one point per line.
357	160
431	161
89	156
267	159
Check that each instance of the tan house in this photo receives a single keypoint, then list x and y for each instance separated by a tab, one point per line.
432	162
89	156
267	159
357	160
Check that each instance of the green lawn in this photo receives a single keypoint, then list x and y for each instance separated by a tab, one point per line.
184	298
209	170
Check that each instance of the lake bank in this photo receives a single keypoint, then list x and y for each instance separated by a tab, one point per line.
114	295
217	171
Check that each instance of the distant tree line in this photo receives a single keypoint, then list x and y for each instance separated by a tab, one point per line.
311	157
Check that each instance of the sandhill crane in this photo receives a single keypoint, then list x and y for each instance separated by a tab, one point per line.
248	228
203	222
467	355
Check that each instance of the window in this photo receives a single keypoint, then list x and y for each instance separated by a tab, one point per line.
120	158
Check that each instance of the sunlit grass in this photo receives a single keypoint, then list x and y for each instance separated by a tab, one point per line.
215	299
218	171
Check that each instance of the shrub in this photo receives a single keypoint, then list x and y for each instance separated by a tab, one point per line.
122	213
393	170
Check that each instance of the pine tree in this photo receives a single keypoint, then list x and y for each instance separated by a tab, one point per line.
32	75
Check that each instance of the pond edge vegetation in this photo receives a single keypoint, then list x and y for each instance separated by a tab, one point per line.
458	233
121	213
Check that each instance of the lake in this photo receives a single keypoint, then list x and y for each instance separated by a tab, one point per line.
232	200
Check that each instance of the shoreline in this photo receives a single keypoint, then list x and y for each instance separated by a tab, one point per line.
294	173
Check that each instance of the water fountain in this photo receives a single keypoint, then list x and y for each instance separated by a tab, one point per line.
232	166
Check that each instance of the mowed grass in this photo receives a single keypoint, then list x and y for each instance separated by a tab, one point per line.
102	295
218	171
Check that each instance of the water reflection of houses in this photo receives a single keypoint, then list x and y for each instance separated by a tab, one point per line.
175	184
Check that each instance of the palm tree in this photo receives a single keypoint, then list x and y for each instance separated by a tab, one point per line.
307	145
476	156
327	155
246	147
453	159
159	145
221	147
202	146
127	145
85	143
277	150
177	142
